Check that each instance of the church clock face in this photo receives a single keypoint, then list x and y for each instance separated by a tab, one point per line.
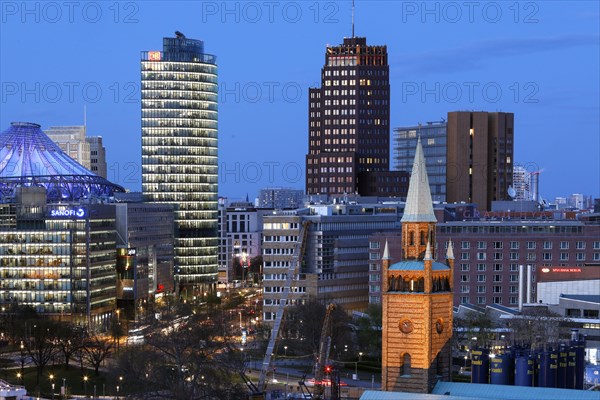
439	325
406	325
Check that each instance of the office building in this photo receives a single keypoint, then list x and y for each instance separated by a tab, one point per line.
479	157
97	156
433	140
240	236
348	118
145	255
334	248
72	140
179	151
522	184
280	198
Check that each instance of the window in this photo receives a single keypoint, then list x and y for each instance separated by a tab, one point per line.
596	245
580	256
464	278
497	300
465	245
374	245
480	299
497	267
514	278
514	245
374	256
514	256
374	288
481	255
497	245
497	256
497	278
564	256
464	299
464	256
530	245
580	245
481	267
406	365
481	245
464	288
514	267
547	256
464	267
497	289
514	289
530	256
480	278
374	267
480	289
547	245
564	245
596	256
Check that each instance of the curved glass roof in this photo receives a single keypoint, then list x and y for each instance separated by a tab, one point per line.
28	157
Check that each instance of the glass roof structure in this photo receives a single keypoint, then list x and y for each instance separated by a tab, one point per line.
28	157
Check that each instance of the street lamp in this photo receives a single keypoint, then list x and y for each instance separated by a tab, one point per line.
20	377
52	383
85	381
356	364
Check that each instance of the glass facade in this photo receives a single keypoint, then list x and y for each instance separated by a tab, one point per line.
60	262
433	139
179	150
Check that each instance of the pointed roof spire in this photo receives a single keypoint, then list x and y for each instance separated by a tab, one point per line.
419	207
386	252
450	251
428	252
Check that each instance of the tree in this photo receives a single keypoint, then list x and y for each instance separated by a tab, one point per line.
40	343
537	326
474	325
69	339
96	349
193	358
369	331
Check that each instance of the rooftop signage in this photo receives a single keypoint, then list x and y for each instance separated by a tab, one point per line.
67	212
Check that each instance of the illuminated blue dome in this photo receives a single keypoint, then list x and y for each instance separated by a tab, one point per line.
30	158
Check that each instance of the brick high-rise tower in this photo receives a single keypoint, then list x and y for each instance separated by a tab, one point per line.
417	298
348	118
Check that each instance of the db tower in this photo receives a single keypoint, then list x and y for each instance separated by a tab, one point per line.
417	297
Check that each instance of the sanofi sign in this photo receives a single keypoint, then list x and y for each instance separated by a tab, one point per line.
68	212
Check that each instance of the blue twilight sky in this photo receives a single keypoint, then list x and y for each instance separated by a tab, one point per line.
538	59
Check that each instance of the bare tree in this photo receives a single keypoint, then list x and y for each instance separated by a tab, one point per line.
96	349
40	343
537	326
69	339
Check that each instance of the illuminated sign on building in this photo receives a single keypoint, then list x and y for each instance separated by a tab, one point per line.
561	269
71	212
154	55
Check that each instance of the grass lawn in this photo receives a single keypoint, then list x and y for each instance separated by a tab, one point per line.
73	378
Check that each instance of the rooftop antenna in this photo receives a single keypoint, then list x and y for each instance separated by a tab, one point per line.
85	119
352	18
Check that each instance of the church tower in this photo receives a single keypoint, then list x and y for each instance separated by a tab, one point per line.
417	298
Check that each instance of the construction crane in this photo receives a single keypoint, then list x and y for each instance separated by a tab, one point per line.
293	271
322	367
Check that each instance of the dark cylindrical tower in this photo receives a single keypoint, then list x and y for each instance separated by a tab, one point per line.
502	369
578	346
524	369
480	366
547	368
561	380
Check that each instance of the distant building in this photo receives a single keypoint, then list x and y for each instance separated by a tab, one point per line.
72	140
522	183
336	255
577	201
479	157
280	198
349	118
433	139
97	155
240	236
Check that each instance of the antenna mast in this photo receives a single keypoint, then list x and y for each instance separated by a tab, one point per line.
85	118
352	18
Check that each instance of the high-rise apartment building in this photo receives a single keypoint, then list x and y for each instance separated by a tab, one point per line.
348	118
479	157
179	150
280	198
433	140
97	155
522	183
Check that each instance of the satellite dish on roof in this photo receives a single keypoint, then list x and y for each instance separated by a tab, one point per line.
512	192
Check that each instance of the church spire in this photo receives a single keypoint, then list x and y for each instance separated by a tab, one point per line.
428	252
419	206
386	252
450	251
